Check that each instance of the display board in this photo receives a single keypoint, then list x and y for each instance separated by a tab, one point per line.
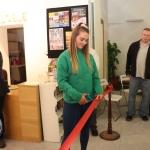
60	23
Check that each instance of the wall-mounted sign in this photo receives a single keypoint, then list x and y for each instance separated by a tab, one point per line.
60	23
13	18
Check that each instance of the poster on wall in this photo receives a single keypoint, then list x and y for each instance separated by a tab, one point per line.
60	23
56	39
78	15
68	35
58	19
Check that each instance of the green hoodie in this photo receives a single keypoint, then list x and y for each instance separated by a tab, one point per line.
83	81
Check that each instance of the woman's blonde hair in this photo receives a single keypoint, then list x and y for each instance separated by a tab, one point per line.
73	49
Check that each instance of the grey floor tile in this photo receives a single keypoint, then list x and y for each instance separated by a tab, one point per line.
136	126
135	142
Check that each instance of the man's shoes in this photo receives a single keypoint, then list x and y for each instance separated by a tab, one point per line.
2	143
128	118
144	118
94	132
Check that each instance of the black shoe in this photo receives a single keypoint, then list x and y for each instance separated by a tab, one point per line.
2	143
94	132
128	118
144	118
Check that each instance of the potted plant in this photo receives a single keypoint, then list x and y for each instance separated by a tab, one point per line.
112	53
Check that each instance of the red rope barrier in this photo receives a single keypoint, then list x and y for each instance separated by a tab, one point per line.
71	138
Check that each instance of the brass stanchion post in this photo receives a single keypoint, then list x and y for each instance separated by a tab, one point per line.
109	134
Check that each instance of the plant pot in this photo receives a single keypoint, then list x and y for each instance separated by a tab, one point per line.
114	81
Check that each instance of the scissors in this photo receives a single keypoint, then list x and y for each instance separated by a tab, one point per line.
88	98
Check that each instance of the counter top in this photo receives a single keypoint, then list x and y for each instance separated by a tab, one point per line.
13	90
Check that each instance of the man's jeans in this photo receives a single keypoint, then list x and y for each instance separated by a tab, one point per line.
135	83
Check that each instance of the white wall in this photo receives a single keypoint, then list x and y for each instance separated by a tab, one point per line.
35	34
122	32
64	3
35	39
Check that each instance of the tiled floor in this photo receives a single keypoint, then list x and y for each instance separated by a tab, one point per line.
134	135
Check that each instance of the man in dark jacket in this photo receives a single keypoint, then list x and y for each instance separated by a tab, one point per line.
3	90
138	69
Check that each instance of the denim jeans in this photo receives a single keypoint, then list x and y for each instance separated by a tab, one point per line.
71	115
135	83
94	122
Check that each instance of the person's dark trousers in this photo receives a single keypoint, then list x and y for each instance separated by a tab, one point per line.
135	83
1	117
94	122
71	115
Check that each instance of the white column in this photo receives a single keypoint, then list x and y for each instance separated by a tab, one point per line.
98	32
4	50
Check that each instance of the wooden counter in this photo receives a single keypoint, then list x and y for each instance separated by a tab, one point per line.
30	113
12	119
22	114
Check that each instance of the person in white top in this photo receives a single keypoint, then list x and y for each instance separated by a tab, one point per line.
93	126
96	57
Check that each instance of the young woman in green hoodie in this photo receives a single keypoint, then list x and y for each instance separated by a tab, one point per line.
77	76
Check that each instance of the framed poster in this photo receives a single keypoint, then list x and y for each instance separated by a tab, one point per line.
68	35
78	14
59	19
60	23
56	39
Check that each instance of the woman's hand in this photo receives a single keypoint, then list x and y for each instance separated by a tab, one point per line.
99	96
83	100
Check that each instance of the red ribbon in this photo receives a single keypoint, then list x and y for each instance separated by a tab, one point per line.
71	138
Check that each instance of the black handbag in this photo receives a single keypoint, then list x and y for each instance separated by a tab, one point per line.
3	87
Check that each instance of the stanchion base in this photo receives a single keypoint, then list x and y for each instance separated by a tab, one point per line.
110	137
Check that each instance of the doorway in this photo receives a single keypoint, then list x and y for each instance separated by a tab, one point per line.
16	50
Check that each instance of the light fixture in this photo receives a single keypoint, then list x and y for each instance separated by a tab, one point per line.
134	20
